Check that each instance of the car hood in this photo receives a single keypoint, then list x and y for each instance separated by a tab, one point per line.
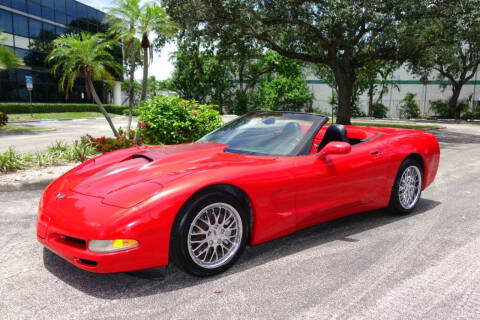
160	164
130	180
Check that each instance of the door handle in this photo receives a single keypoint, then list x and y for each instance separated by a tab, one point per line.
375	153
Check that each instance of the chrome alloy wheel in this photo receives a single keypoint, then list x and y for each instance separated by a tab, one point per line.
215	235
410	187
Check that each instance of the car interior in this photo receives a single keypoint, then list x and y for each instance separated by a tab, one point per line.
338	132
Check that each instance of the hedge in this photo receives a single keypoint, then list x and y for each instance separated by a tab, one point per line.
22	107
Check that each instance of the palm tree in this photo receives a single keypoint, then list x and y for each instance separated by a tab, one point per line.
153	19
123	21
8	59
88	56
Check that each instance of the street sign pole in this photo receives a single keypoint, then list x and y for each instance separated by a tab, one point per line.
29	84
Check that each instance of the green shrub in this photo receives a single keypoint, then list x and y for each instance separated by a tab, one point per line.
22	107
135	111
441	109
171	120
408	107
3	119
379	110
10	161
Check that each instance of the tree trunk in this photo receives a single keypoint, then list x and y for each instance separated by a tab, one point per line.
370	100
145	74
144	87
100	106
131	88
344	80
452	103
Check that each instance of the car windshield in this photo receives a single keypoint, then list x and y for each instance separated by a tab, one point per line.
268	133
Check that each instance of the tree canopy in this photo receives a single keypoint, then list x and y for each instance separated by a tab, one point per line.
344	35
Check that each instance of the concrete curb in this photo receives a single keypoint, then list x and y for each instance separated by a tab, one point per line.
68	119
37	184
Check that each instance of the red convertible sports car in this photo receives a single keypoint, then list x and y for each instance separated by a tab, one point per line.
259	177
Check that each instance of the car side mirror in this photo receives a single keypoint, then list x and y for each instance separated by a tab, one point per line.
334	147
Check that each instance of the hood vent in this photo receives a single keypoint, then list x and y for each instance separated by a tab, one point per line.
142	155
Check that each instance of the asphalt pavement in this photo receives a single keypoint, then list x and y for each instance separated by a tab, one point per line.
67	130
373	265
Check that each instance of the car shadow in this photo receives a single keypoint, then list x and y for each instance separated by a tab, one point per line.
452	140
122	285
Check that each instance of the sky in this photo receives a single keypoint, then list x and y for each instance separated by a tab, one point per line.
161	67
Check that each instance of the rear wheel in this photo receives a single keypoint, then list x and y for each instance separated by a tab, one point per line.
407	189
211	234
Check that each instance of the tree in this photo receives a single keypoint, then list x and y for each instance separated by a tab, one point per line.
344	35
123	22
455	55
8	59
153	19
87	56
200	75
284	88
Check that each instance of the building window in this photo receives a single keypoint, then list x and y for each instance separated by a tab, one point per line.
21	53
49	27
6	21
59	31
34	26
34	8
81	11
47	13
60	5
19	5
6	3
60	17
20	25
48	3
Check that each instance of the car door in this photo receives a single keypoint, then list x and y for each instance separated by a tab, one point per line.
339	184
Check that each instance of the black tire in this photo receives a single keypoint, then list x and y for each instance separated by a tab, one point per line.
396	205
179	249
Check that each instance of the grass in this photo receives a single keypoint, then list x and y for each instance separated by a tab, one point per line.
8	128
398	125
19	117
57	153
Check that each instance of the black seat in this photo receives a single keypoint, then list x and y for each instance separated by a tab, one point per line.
335	132
291	129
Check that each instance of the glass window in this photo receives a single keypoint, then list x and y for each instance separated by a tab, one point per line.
6	3
49	27
70	19
19	4
6	21
60	5
91	13
60	17
81	11
47	3
34	26
92	28
100	16
34	8
70	6
59	31
47	13
21	53
20	25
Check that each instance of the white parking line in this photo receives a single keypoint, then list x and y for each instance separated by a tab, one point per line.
83	119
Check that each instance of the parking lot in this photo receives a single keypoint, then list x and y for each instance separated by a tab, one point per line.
373	265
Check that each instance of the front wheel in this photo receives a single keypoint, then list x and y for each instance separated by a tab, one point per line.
211	235
407	189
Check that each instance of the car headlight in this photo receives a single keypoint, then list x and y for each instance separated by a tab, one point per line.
111	245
